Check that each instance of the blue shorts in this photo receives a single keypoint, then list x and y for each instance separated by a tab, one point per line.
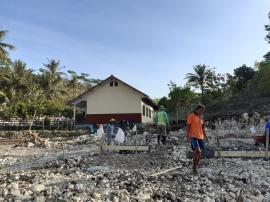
197	143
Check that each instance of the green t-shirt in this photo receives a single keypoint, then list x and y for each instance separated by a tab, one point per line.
161	118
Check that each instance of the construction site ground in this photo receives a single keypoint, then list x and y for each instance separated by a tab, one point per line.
75	169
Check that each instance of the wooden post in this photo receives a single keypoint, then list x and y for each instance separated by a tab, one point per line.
165	171
74	113
177	117
32	121
218	142
267	143
241	154
63	147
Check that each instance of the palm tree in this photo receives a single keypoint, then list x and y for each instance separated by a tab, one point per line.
3	98
51	78
87	81
20	74
4	46
198	78
78	83
74	82
14	79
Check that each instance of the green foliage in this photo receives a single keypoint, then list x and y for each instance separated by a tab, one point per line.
267	57
51	79
179	100
242	75
26	94
4	47
261	80
53	107
211	85
81	81
3	98
180	96
163	101
198	79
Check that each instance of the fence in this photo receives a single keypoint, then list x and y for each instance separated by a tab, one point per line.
16	125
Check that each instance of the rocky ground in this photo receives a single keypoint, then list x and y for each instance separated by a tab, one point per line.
74	169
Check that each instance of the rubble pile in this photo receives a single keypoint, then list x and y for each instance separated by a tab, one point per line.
79	171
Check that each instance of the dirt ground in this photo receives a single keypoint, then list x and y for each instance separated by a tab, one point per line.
74	169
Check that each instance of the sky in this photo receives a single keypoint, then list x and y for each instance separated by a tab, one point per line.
146	43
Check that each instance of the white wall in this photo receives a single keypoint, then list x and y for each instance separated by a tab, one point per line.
116	99
145	118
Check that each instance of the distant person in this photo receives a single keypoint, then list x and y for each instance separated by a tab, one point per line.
267	129
109	131
267	125
196	134
161	120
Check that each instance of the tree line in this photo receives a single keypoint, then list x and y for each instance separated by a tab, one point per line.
26	93
215	90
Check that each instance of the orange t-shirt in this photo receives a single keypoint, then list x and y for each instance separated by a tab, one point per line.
196	126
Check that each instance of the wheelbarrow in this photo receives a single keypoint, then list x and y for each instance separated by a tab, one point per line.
259	139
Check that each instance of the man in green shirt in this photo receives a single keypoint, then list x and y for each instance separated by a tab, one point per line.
162	121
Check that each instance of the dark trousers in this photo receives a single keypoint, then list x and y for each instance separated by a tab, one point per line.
161	131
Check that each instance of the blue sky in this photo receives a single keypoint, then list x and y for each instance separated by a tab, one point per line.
146	43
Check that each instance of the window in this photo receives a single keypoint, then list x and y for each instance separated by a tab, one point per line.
143	111
113	83
147	111
150	113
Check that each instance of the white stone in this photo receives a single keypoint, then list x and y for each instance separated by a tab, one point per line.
28	193
115	199
70	186
79	187
30	144
125	198
14	189
77	198
47	144
143	196
15	177
15	192
49	191
40	199
96	195
38	188
208	199
5	192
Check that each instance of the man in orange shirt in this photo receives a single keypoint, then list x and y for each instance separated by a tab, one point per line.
196	134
